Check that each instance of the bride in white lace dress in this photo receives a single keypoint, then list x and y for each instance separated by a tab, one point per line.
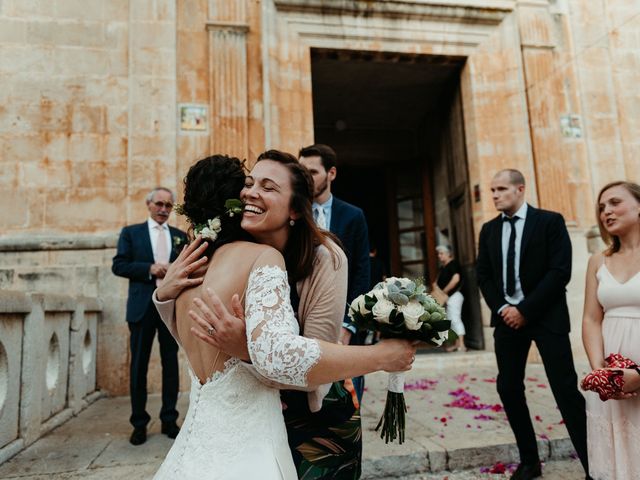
234	427
611	324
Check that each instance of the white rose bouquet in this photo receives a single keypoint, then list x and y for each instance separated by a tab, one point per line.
400	308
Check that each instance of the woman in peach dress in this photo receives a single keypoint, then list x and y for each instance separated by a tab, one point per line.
611	324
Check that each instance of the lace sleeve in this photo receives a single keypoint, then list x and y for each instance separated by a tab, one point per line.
275	347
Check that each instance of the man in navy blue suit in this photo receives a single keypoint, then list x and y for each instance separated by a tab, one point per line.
144	253
350	226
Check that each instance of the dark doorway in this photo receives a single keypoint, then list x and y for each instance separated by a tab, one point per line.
386	115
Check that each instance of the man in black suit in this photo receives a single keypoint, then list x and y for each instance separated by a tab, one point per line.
350	226
144	253
524	265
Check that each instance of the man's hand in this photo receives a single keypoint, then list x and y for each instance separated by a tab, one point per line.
158	270
345	336
190	263
513	318
219	328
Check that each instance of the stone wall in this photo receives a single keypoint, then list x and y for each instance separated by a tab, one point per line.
48	350
91	90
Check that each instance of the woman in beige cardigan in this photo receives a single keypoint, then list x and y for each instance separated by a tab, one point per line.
319	299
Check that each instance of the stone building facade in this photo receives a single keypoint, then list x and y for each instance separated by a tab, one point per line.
101	101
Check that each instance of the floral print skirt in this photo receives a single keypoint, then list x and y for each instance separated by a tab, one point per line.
326	444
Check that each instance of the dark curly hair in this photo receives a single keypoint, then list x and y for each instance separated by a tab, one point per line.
209	183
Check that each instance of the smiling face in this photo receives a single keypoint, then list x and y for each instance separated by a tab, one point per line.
267	203
444	257
619	210
507	196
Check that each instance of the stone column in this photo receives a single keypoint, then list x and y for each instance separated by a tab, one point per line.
228	30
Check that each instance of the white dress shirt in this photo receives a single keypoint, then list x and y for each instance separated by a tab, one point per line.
153	235
326	208
517	296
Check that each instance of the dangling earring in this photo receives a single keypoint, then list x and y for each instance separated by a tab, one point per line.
292	222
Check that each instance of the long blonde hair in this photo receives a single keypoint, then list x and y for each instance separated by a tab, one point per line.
613	241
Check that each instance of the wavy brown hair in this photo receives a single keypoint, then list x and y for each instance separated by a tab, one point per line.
613	241
304	235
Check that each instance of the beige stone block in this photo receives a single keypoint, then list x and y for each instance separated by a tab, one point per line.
88	119
14	205
118	120
45	174
29	9
12	31
167	10
117	35
80	9
85	61
160	145
85	147
55	147
118	60
117	10
66	33
112	91
154	35
10	373
25	146
116	151
23	59
75	209
157	62
159	91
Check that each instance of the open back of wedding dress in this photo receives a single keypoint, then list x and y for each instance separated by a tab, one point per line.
234	427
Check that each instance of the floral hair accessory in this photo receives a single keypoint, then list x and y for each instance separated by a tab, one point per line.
233	206
209	231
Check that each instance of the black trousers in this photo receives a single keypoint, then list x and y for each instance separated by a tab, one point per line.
142	334
512	348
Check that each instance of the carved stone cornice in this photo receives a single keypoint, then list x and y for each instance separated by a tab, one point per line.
490	12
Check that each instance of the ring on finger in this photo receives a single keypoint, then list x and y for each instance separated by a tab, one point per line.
211	331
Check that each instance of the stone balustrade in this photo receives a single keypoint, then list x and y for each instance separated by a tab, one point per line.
48	346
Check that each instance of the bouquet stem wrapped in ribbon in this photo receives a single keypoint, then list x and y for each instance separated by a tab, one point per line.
400	308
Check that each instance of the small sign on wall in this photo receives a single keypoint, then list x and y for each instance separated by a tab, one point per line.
571	126
193	117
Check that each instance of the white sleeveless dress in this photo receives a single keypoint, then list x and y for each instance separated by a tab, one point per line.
234	428
613	427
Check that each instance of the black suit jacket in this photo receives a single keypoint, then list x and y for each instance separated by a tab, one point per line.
133	261
349	224
545	269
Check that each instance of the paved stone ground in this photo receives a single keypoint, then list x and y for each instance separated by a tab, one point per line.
444	441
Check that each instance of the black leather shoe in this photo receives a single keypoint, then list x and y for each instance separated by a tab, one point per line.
139	436
527	472
170	429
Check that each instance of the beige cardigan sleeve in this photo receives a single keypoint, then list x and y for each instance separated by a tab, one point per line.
323	299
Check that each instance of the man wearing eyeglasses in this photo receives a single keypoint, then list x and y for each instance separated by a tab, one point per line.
144	253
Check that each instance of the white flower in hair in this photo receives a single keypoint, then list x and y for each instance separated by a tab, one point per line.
209	231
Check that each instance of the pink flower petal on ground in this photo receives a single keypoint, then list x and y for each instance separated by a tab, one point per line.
499	467
461	377
532	379
483	417
422	384
561	422
489	380
538	418
541	385
543	436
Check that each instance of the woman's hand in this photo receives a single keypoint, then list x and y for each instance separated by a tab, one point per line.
189	262
397	355
215	325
